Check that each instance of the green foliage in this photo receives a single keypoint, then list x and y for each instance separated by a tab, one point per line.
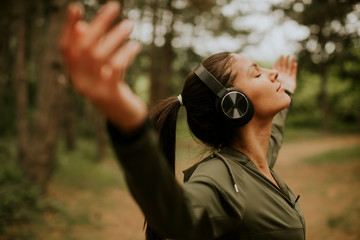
344	89
302	133
24	212
79	170
336	156
343	97
19	199
331	53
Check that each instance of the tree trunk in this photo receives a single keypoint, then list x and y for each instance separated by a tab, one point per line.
51	90
99	127
155	85
5	23
161	60
21	84
168	52
101	136
68	124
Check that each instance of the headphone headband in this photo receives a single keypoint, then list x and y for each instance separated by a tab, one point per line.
210	81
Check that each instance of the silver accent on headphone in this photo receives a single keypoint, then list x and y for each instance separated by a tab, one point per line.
234	105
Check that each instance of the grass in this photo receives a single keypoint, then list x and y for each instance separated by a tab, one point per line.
80	170
345	221
351	153
293	134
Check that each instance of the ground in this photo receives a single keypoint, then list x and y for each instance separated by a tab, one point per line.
328	191
330	198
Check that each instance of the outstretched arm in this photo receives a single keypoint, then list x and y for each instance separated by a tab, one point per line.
287	69
97	57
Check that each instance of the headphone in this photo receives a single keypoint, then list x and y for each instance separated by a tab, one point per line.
231	103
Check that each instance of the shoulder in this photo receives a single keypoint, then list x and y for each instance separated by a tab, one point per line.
214	171
211	167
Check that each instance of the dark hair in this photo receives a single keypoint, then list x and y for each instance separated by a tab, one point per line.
202	117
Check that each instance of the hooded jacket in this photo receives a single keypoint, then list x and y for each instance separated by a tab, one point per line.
224	196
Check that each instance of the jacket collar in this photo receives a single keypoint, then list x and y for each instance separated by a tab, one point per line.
235	155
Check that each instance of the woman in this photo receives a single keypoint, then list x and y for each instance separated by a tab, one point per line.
233	193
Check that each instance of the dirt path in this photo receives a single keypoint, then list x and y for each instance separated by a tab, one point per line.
295	151
330	196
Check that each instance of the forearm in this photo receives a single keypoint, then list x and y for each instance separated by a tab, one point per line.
123	108
277	136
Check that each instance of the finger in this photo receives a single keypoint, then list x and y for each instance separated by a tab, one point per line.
69	34
73	51
106	72
291	65
294	69
281	62
100	24
124	57
276	65
286	62
114	39
74	14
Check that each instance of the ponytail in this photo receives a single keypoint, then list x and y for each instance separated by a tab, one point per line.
163	117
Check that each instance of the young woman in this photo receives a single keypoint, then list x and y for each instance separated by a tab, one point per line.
234	192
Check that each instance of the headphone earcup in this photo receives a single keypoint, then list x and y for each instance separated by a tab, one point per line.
236	107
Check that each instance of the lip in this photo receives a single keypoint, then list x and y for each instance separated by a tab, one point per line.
279	87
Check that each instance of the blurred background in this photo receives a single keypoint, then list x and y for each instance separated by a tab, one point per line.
58	175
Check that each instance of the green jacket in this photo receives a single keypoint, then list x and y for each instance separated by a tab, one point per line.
224	196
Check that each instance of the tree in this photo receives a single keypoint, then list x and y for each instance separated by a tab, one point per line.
51	89
37	144
328	40
20	82
5	23
348	105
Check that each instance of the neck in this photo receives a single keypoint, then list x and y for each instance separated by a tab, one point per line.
253	140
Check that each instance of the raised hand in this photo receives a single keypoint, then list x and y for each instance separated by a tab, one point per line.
97	57
287	69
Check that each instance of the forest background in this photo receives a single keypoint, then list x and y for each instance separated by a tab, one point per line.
50	134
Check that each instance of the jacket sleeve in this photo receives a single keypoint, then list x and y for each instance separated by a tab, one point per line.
174	210
277	136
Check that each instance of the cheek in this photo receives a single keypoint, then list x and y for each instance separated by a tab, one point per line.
259	95
265	99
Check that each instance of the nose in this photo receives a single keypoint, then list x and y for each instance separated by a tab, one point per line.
273	75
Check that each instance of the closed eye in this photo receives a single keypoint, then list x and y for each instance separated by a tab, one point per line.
258	75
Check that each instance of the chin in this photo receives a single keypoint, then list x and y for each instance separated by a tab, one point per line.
285	101
271	109
288	100
284	104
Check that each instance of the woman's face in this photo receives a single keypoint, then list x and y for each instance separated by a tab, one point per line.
261	86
